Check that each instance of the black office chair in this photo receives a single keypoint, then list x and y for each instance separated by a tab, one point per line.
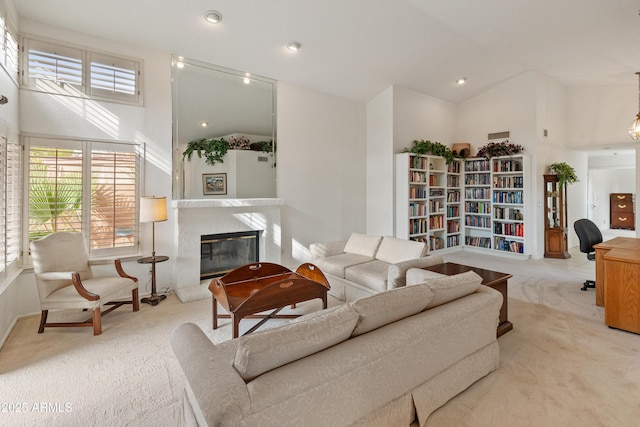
589	235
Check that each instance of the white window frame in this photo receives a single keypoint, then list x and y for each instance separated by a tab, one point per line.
129	67
87	147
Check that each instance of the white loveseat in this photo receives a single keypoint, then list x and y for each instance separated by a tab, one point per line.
389	359
367	264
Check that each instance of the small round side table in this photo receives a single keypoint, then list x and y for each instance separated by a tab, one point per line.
154	299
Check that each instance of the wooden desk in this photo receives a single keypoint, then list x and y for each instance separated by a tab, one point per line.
631	243
622	290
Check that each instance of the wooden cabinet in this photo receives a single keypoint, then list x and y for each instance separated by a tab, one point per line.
555	219
621	213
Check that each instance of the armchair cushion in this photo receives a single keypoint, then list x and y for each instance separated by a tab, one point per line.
107	288
394	250
362	244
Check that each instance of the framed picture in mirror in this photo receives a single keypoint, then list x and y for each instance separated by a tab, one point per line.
214	184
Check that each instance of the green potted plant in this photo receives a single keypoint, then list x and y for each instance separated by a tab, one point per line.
434	148
565	173
213	149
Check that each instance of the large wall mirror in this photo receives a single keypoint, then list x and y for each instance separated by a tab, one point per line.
213	103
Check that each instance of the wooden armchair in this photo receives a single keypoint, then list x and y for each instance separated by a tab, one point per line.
65	281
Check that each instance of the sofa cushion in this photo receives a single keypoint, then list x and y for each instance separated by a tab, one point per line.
417	276
447	288
336	264
393	250
362	244
266	350
387	307
373	274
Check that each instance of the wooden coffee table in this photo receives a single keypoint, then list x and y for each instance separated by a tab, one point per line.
262	286
493	279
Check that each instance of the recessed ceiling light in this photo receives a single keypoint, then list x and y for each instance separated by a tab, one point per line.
213	16
180	64
204	124
461	80
294	46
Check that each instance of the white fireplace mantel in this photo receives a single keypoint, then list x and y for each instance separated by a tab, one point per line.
197	217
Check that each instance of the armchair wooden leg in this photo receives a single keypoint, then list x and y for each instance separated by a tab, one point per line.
135	299
97	321
43	321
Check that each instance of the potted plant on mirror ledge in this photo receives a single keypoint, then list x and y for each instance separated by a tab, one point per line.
213	149
566	174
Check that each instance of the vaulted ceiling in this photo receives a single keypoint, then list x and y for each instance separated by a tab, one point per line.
357	48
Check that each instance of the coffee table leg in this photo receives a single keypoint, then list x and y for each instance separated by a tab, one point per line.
324	301
235	320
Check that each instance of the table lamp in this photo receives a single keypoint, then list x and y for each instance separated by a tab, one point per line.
153	209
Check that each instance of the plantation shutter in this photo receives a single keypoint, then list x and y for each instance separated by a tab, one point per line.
113	198
13	199
113	77
50	65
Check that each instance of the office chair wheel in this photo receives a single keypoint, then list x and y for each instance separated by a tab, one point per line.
588	284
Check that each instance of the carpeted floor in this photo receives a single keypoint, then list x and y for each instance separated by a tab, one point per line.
560	365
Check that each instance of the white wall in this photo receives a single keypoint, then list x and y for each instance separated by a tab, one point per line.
599	116
321	169
395	118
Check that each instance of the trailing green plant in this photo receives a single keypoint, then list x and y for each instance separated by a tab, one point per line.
496	149
434	148
565	173
213	149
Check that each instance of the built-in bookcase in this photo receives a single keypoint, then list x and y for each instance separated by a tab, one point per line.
495	208
428	196
474	203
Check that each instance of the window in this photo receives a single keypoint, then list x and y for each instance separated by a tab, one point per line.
8	46
84	186
55	68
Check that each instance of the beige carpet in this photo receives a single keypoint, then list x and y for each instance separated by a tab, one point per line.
560	366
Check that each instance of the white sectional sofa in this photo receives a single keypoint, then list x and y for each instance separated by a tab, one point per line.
388	359
366	264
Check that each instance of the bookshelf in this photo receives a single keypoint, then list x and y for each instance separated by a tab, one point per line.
428	200
475	204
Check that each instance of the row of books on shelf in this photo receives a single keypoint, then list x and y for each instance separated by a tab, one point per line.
509	229
477	165
477	207
422	225
417	193
453	240
477	179
417	176
436	206
453	226
416	162
480	242
477	221
515	197
506	245
417	209
508	182
510	165
453	181
453	196
512	214
453	211
454	167
477	193
436	243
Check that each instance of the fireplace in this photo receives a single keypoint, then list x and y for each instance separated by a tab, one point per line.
223	252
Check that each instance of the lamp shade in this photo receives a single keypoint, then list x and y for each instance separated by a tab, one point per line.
153	209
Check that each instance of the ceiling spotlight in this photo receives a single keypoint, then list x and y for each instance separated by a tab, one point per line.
204	124
180	64
246	80
461	80
294	46
213	16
